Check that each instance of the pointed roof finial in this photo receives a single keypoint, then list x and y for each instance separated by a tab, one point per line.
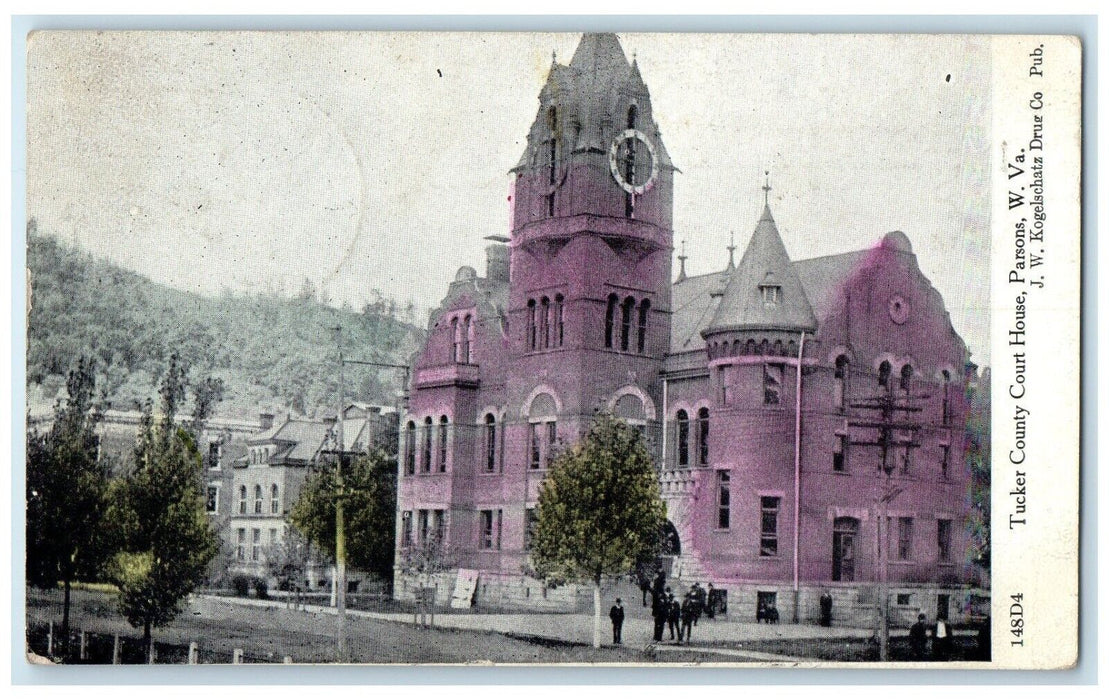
731	251
554	56
681	263
766	190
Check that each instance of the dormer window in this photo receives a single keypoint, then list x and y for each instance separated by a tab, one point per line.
771	294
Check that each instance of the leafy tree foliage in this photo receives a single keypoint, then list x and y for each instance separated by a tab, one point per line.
66	489
978	461
599	510
264	347
158	510
369	507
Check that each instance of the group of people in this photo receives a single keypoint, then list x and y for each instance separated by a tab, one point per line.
680	616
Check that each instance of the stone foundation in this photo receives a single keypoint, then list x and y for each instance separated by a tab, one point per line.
500	592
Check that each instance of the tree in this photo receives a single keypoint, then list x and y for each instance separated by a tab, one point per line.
978	460
287	561
369	507
66	487
432	554
158	509
599	510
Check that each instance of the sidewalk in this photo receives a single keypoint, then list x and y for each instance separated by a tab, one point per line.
578	627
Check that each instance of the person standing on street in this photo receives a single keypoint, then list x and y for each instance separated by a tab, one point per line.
616	614
689	618
918	638
660	610
674	616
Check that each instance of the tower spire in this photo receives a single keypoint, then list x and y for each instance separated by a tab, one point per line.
731	252
681	264
766	191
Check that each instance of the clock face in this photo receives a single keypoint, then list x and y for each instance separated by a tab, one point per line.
632	161
899	309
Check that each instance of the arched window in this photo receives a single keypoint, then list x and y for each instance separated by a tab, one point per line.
751	348
531	324
840	386
257	499
626	322
629	408
778	348
558	303
490	442
442	443
275	502
469	340
455	340
410	448
464	336
683	438
884	370
610	320
426	466
702	436
542	430
906	378
544	323
242	500
552	158
644	311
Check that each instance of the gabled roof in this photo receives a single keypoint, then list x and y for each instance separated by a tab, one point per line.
764	263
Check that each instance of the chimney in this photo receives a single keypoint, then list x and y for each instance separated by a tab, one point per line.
496	262
265	420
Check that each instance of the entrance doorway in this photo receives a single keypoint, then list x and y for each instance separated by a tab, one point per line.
844	533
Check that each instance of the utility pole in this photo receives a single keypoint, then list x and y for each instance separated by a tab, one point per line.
340	497
888	406
340	529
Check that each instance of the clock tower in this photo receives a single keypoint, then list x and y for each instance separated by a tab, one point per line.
591	241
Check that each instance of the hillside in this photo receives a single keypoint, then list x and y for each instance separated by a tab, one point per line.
269	350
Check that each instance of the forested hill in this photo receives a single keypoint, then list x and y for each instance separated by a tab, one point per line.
269	350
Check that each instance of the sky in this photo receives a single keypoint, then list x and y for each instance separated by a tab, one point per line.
251	161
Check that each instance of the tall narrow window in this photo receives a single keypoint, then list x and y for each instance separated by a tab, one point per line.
211	503
626	323
945	460
558	320
455	340
255	544
439	524
490	529
702	436
213	453
772	384
683	438
406	529
242	500
275	501
552	439
443	443
531	325
533	446
906	378
426	466
240	551
946	415
410	448
544	323
257	499
943	540
629	163
840	389
723	500
531	520
466	337
839	454
490	442
768	536
904	539
552	159
644	313
610	320
422	525
884	370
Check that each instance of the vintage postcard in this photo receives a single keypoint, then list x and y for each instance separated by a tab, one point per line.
646	349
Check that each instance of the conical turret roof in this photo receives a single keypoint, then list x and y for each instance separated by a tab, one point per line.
765	263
